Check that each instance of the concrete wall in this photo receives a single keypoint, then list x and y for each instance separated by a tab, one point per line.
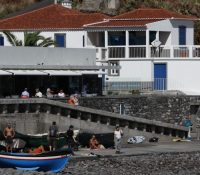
39	123
47	56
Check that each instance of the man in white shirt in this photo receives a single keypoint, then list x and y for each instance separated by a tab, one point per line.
38	93
118	133
61	94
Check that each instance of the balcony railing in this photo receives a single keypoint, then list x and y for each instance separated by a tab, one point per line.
148	52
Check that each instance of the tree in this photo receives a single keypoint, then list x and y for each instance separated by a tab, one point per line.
30	39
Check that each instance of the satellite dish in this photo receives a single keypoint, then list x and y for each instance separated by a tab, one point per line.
156	43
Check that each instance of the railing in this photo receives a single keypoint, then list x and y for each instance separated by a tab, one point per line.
142	51
137	52
159	84
116	52
128	86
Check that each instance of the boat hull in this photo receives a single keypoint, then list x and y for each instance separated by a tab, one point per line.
34	162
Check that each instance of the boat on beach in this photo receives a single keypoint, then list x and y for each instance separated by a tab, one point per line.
53	161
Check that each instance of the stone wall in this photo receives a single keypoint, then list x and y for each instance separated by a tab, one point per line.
170	109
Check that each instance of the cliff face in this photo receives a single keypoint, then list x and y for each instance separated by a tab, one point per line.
109	7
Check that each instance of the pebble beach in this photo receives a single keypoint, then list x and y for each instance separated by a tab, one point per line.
187	163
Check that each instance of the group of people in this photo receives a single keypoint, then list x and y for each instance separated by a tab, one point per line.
53	134
25	94
73	99
9	134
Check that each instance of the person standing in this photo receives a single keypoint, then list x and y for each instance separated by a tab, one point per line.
70	139
53	131
118	133
9	134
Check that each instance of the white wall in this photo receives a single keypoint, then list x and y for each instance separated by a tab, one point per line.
184	75
173	27
134	71
74	39
189	31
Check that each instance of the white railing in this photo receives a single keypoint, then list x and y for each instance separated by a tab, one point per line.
170	52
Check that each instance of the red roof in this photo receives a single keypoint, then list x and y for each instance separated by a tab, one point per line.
50	17
58	17
141	17
152	13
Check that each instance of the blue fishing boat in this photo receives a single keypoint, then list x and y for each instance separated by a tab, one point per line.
48	161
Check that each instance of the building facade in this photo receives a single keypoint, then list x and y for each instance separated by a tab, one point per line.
154	47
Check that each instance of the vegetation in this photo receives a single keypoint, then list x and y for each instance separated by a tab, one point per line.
30	39
10	6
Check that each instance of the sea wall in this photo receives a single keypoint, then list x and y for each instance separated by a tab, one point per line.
170	109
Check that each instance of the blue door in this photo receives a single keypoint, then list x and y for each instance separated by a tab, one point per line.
160	75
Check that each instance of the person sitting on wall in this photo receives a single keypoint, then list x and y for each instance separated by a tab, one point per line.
61	94
25	93
38	93
71	100
49	93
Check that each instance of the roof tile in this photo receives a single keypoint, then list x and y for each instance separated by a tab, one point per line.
50	17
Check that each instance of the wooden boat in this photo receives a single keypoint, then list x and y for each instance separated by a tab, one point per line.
53	161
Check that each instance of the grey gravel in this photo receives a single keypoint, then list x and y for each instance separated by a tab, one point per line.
151	164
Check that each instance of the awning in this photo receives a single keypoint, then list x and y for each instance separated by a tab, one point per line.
26	72
2	72
92	72
61	72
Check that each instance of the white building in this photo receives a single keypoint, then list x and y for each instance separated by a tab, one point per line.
154	47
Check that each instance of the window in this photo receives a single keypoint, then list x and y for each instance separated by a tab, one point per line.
137	38
152	36
182	35
116	38
60	40
113	71
83	41
1	40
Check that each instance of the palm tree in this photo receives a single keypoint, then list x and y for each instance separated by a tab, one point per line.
30	39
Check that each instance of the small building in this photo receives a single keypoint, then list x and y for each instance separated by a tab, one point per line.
72	70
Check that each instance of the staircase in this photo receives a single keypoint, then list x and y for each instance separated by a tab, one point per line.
38	113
